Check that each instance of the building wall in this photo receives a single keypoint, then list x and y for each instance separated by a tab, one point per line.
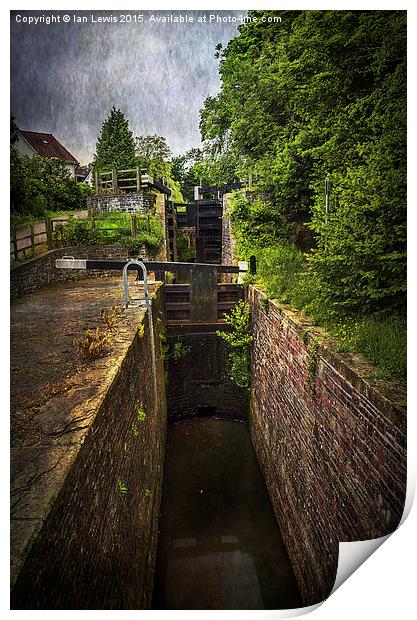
97	546
331	443
25	150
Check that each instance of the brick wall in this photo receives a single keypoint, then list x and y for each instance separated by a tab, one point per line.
137	202
97	547
200	379
331	444
36	272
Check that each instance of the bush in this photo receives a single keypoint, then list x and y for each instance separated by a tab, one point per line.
39	185
134	245
238	341
77	232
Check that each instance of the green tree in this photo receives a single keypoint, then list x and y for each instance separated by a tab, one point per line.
322	95
153	154
153	147
115	146
39	184
183	171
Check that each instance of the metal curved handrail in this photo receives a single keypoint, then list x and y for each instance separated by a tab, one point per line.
148	305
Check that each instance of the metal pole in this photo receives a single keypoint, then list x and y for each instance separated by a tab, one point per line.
148	305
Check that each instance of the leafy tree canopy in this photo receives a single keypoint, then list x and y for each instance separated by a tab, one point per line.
153	147
323	95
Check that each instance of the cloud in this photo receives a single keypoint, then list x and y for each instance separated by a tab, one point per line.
65	77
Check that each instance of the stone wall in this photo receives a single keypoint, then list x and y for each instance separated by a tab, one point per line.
97	547
331	443
34	273
199	379
137	202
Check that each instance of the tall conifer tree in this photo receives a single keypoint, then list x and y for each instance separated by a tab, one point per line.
115	146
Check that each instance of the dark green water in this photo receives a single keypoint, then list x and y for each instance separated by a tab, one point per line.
219	546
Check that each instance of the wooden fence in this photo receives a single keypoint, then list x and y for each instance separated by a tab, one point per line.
127	181
33	239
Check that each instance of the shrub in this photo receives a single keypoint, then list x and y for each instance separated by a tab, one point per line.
77	232
238	341
135	244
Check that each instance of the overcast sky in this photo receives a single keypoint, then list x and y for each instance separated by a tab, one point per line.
65	77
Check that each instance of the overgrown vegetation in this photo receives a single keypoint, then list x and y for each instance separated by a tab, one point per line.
321	96
175	351
238	341
81	232
39	186
287	274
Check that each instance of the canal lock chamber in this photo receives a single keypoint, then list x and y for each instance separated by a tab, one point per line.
219	544
85	535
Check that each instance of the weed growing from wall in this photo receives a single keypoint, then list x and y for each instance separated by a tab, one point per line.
264	303
238	340
176	351
312	364
110	317
140	416
122	487
94	343
140	413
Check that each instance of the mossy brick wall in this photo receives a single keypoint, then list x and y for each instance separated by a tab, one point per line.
331	444
97	547
200	379
34	273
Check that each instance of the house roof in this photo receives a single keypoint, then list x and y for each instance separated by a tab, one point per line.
47	145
